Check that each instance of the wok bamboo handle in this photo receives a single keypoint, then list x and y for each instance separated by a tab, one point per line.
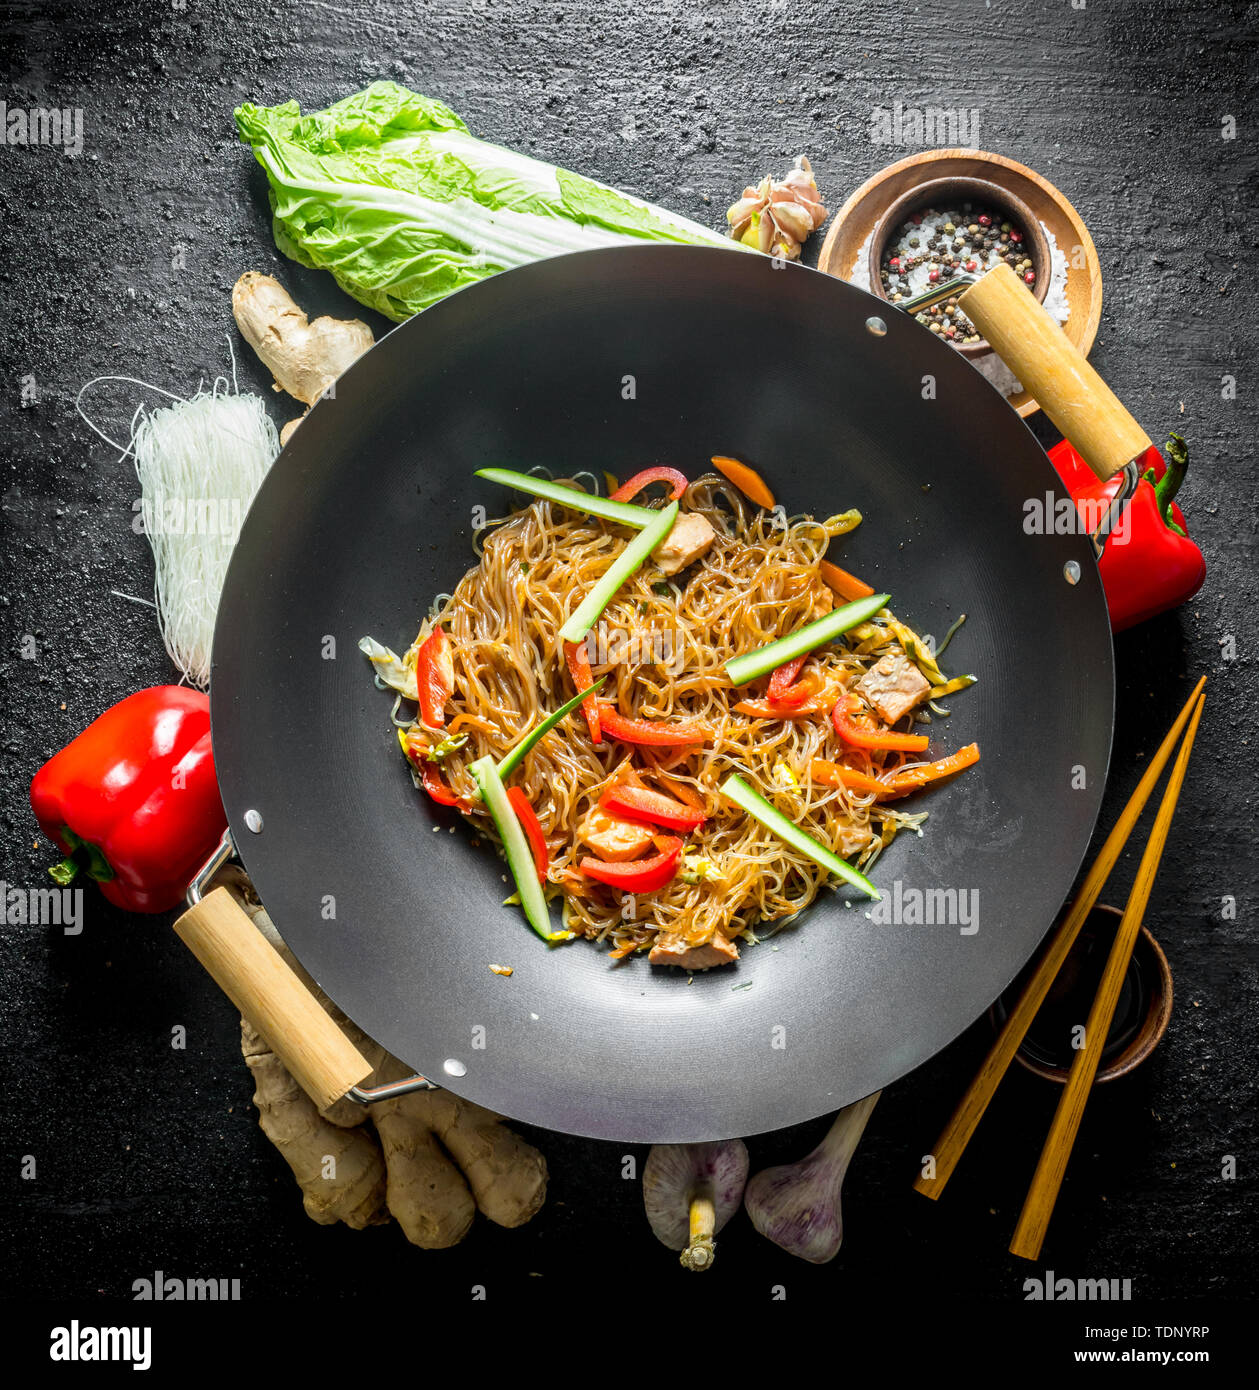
1054	371
250	971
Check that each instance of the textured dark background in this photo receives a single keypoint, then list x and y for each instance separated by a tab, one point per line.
150	1158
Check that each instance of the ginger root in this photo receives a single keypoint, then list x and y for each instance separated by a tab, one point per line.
341	1171
304	357
433	1161
493	1169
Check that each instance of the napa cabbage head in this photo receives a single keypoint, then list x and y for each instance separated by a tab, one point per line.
389	191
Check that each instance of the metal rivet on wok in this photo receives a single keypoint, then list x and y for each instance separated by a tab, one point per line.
253	821
1071	572
876	326
453	1067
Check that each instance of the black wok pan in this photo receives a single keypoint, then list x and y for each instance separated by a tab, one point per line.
620	359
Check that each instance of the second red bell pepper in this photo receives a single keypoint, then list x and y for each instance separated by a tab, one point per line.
134	800
1149	564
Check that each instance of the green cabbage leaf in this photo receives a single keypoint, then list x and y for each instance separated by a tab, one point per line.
389	191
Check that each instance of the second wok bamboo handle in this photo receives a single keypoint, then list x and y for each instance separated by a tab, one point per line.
254	976
1053	370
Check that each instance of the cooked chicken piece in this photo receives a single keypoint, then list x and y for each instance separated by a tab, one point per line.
672	950
892	687
852	839
614	839
690	538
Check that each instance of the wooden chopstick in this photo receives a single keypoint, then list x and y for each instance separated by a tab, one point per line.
1029	1234
956	1134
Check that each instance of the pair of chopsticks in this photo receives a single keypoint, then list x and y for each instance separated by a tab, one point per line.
1038	1206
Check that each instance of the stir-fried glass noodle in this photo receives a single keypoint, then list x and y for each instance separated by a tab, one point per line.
661	646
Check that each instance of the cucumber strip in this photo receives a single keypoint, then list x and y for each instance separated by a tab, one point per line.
620	570
625	512
510	763
773	819
749	665
519	857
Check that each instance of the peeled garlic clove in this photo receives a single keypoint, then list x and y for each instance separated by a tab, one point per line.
793	219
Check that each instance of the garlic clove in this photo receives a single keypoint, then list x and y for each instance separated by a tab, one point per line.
793	219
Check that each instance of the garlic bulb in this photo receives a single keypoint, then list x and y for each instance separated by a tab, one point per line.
690	1191
797	1205
777	215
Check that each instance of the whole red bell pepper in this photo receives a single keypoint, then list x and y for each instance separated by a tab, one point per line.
134	799
1149	564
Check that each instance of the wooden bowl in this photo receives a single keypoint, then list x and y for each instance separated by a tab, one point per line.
948	192
1141	1017
857	218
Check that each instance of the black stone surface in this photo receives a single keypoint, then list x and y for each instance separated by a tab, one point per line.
121	261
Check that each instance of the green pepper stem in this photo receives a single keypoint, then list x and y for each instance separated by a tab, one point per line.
1166	488
66	872
83	854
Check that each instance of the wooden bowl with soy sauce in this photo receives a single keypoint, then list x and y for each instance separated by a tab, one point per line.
1141	1015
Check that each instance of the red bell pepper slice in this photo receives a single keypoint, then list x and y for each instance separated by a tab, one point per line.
435	784
639	875
1149	563
578	658
780	683
532	828
430	774
857	737
678	484
435	677
650	731
639	803
805	698
134	799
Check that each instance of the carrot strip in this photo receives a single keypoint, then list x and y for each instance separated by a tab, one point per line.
477	723
747	480
846	585
837	775
766	709
909	781
684	792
